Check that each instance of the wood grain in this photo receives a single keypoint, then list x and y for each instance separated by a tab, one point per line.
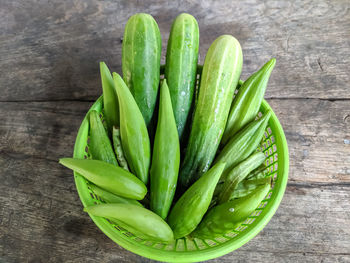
317	132
51	222
55	56
50	210
49	54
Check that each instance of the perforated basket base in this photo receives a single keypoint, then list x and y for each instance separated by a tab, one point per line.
274	146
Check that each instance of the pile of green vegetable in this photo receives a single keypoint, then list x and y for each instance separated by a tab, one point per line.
187	153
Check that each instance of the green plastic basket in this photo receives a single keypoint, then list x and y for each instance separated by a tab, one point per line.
274	145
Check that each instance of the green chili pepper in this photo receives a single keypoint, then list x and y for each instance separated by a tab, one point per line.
119	149
193	204
133	131
166	156
137	217
110	100
243	188
249	185
112	198
227	216
130	229
258	172
107	176
238	173
246	104
243	143
100	146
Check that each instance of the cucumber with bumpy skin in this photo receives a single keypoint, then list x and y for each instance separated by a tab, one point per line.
221	71
141	50
181	66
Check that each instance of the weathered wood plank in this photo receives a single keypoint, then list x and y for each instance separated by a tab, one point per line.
42	213
50	52
317	132
318	135
34	135
42	130
55	56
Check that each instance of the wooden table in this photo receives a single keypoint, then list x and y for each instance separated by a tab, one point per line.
49	54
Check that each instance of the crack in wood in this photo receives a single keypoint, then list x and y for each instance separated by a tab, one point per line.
307	98
57	100
21	156
298	252
319	64
317	184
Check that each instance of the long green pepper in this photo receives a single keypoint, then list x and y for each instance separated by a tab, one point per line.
107	176
193	204
137	217
243	143
166	156
237	174
225	217
249	185
111	198
118	149
100	146
133	132
246	103
243	188
110	100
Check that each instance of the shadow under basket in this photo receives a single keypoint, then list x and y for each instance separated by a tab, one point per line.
273	144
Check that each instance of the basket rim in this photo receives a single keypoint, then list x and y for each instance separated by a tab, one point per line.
196	255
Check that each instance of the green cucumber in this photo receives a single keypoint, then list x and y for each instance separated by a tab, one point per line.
221	71
246	103
141	50
181	66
